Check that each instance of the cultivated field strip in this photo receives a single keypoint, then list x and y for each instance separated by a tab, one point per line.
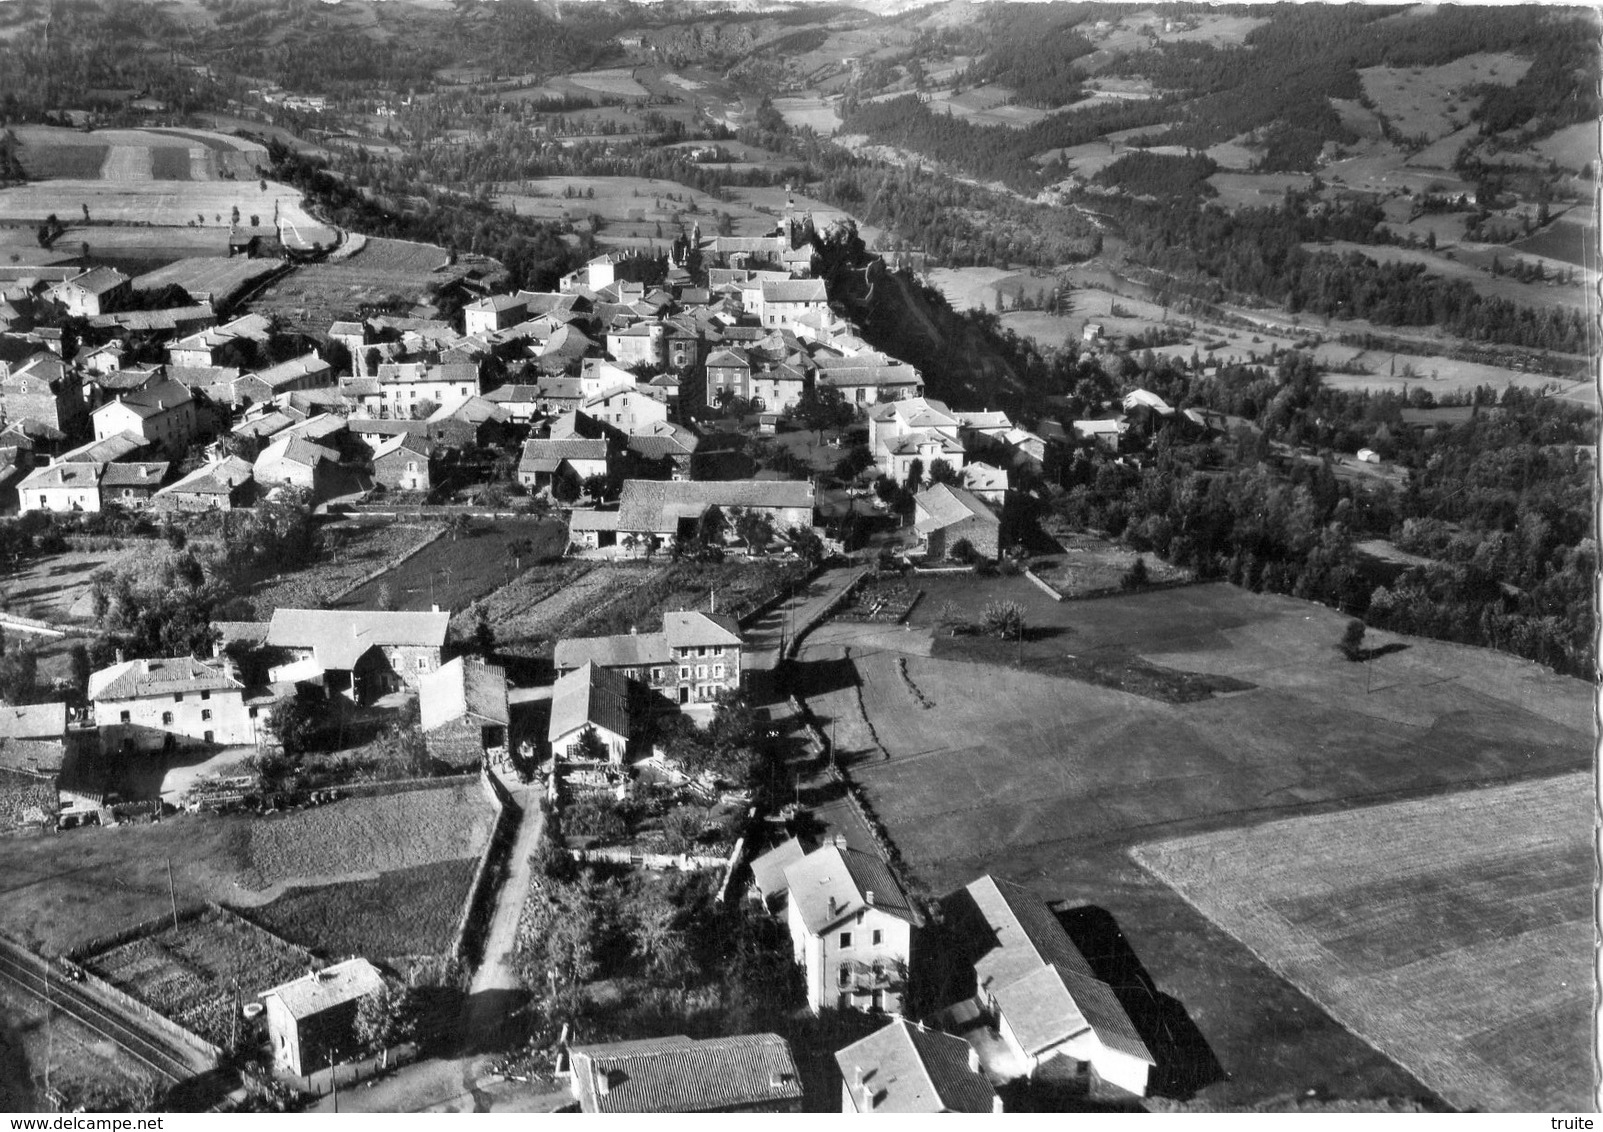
1450	932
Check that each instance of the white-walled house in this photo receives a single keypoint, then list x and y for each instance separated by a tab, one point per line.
161	414
150	703
1038	992
591	697
851	929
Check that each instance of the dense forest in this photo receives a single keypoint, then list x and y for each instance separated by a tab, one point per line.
1500	503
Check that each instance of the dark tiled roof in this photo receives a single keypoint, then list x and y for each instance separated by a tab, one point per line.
590	695
682	1075
906	1068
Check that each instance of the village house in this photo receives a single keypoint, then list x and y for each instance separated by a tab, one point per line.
907	1067
643	344
783	303
405	387
309	371
592	699
851	929
311	1021
43	389
944	515
743	1073
130	483
154	703
985	482
628	408
235	343
163	415
89	485
670	510
868	379
404	463
492	313
294	461
221	485
463	710
669	447
358	653
97	291
543	460
1037	994
692	661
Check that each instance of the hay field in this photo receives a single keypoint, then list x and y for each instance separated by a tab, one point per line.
1453	932
817	114
1432	101
986	106
160	203
1255	190
383	270
1572	147
616	81
1465	265
218	278
362	837
633	207
1438	374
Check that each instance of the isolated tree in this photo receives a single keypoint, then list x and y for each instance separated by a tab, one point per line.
1136	576
566	485
805	542
961	551
1003	619
1352	640
915	474
483	634
86	214
942	472
590	747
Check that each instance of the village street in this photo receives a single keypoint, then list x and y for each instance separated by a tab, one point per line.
463	1083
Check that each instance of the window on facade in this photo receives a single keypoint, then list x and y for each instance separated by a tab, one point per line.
845	940
254	712
178	697
879	937
422	663
166	718
701	672
205	695
844	975
656	674
684	674
205	713
717	670
125	717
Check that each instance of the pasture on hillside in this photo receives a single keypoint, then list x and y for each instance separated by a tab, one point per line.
1428	102
1454	932
169	204
633	207
1051	780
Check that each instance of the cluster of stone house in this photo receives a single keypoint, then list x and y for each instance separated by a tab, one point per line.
608	685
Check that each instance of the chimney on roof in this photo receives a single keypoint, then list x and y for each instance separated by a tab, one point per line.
857	1077
996	1104
973	1060
119	656
603	1082
832	906
868	897
867	1103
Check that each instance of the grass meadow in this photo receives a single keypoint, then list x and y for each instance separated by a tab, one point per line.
1454	932
1030	773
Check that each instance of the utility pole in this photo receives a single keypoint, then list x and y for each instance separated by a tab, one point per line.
172	894
333	1080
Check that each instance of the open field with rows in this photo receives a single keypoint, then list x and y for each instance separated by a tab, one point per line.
153	154
1052	780
411	911
1453	932
196	973
358	838
1437	374
454	573
1464	265
536	602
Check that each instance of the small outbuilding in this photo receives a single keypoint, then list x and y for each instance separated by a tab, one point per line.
311	1021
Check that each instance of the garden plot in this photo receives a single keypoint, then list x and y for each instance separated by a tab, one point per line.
405	912
1453	932
197	973
353	551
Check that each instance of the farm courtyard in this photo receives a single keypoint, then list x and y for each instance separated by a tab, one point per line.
974	764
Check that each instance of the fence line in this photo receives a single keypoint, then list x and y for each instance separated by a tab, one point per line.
502	837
